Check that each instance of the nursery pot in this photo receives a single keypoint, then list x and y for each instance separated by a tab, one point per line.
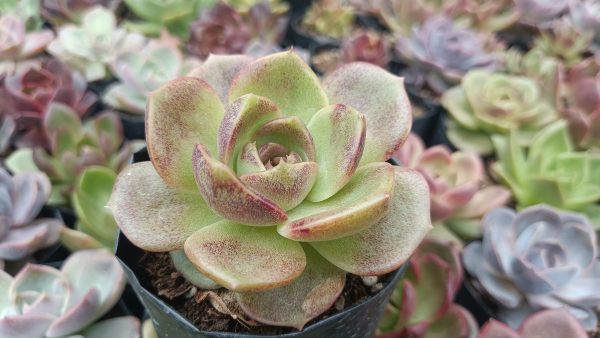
359	320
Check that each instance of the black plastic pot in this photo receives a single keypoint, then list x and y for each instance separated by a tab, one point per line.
357	321
133	126
428	124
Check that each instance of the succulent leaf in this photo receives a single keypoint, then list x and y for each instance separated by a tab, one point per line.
220	70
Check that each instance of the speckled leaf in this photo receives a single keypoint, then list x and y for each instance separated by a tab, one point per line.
189	271
289	132
339	133
362	202
227	196
285	79
180	114
285	184
157	218
241	257
242	119
220	70
248	160
386	245
381	97
311	294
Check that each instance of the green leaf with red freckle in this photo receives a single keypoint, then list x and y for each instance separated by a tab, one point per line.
289	132
227	196
248	160
294	305
381	97
362	202
386	245
242	119
285	184
285	79
220	70
245	258
154	216
181	113
339	133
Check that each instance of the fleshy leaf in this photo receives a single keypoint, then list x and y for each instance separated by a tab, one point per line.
249	160
285	184
289	132
389	243
339	133
158	217
241	257
381	97
242	119
219	70
362	202
285	79
556	323
180	114
24	326
189	271
226	195
120	327
311	294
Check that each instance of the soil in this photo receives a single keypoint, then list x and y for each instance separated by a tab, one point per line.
216	310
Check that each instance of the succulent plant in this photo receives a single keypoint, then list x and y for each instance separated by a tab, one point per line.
21	199
422	305
27	93
17	43
489	16
329	18
41	301
27	10
367	46
585	16
459	197
96	226
293	193
91	46
143	71
550	171
444	52
536	259
540	13
487	104
542	324
73	147
562	41
581	93
175	15
59	12
536	65
7	129
225	30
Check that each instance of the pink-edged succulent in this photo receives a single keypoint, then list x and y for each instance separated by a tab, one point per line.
443	52
367	46
581	93
541	13
225	30
561	40
422	306
538	258
273	183
43	302
18	44
21	198
542	324
457	185
27	93
63	11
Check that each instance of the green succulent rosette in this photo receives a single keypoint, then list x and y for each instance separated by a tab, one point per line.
274	184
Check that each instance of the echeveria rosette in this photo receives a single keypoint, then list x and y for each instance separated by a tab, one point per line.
487	104
488	16
456	181
444	52
329	18
27	10
289	201
556	323
21	198
92	45
59	12
422	306
550	171
18	44
141	72
541	13
538	258
561	40
43	302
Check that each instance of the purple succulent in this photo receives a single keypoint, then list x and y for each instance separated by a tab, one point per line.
445	52
540	13
16	43
585	15
26	94
62	11
542	324
537	259
21	199
367	46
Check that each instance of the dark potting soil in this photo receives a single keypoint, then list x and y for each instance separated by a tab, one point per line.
216	310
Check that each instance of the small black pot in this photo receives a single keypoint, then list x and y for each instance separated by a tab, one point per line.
133	126
357	321
427	125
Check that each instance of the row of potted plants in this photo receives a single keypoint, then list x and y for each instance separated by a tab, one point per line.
266	181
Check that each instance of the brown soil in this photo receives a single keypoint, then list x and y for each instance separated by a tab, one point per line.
216	310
